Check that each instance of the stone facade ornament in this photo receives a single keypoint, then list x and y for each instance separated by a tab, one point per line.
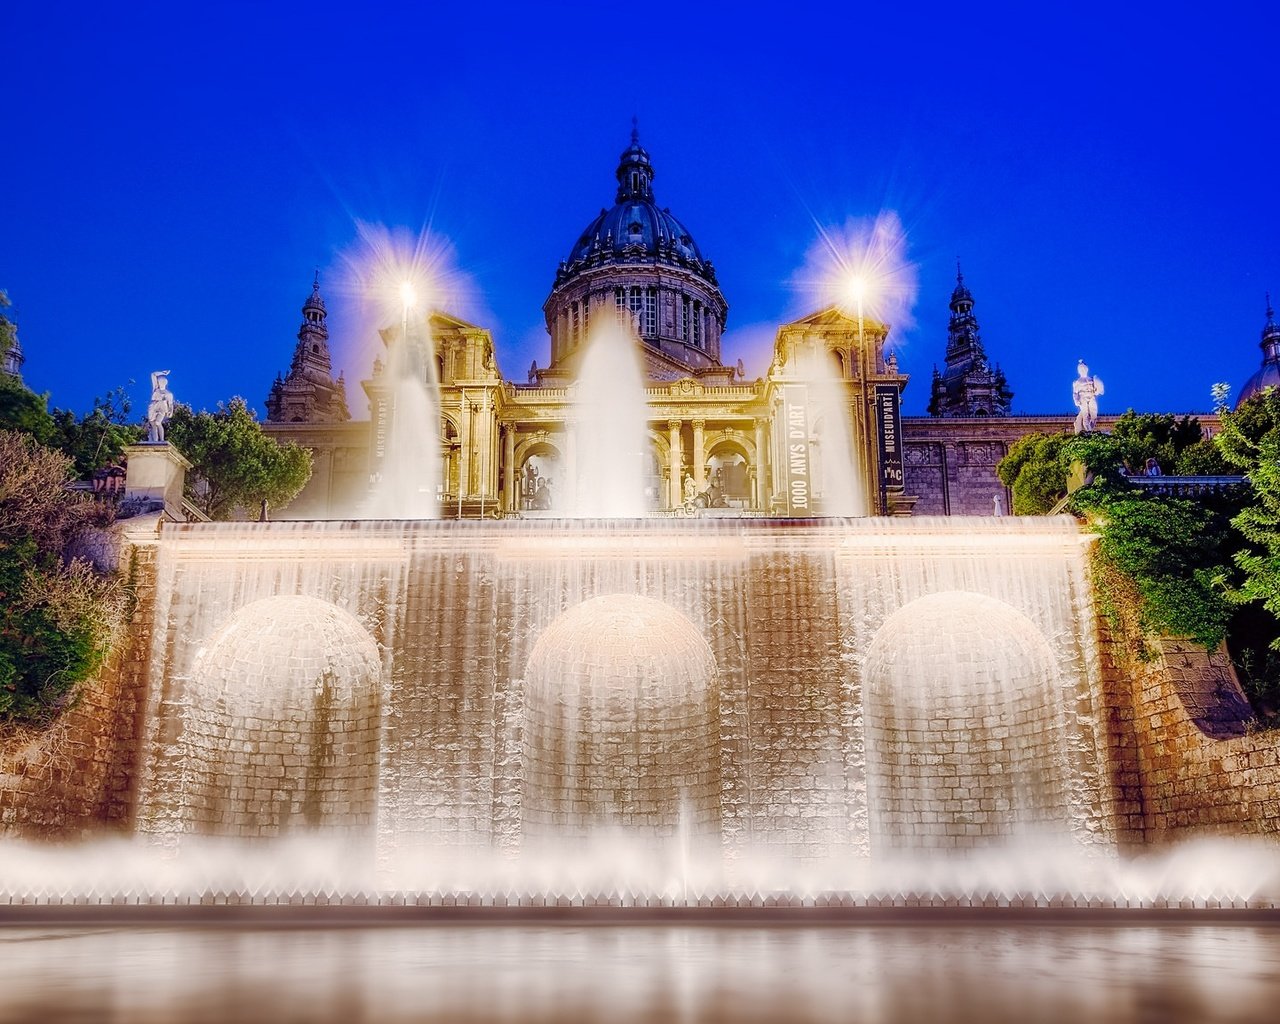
1085	391
160	407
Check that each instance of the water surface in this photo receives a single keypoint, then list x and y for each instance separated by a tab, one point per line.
653	974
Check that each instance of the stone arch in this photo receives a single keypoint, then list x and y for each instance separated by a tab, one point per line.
721	452
966	741
548	461
281	724
621	723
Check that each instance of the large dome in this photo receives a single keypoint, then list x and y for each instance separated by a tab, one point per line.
636	264
635	228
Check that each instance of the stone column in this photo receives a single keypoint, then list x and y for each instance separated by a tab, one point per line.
568	498
762	469
509	468
699	456
677	497
464	447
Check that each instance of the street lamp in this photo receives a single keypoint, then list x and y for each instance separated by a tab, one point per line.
408	299
856	290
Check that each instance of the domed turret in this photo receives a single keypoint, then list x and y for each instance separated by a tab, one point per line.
638	260
1268	375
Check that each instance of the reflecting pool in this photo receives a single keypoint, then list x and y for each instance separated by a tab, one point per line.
890	974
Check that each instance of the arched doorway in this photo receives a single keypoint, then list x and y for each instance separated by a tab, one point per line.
729	474
540	484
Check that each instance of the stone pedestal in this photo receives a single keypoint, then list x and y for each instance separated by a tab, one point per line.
157	473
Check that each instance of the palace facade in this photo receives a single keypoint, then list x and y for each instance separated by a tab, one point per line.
717	441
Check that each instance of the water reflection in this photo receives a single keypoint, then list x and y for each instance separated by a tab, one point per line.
622	975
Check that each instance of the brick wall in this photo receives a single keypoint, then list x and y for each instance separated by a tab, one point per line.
76	776
1185	754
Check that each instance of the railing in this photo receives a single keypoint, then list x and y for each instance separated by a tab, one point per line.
1187	486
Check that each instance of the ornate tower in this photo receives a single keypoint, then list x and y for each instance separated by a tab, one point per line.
308	393
968	386
636	260
11	357
1268	375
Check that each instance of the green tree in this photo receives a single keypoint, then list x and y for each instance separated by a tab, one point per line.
1176	553
58	617
100	437
21	409
234	464
1250	441
1160	436
1034	470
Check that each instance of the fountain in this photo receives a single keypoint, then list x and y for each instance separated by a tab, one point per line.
624	721
406	477
610	430
620	713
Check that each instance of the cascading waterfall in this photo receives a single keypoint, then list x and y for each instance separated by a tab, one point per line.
624	710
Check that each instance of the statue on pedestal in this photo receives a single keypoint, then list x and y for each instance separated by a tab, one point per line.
1085	391
160	407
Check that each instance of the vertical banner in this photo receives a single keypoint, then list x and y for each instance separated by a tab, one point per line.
889	433
381	429
795	449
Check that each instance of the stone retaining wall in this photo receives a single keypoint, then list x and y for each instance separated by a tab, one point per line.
76	776
1189	760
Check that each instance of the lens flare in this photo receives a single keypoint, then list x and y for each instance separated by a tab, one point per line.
862	267
387	271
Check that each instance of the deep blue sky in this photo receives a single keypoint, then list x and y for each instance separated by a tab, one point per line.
172	174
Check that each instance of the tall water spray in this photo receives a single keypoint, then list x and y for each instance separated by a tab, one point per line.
838	478
609	426
408	479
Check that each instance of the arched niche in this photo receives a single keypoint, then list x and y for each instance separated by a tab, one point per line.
965	719
620	723
280	729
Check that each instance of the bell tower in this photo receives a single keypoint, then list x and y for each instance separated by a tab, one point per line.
308	393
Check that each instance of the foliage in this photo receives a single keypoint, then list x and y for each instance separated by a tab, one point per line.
23	410
94	440
1174	550
1159	436
58	618
1165	564
100	437
34	501
1249	441
1245	431
235	465
1035	472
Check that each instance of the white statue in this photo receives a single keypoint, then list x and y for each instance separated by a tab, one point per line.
160	408
1085	391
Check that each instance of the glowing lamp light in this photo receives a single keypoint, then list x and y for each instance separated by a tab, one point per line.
855	289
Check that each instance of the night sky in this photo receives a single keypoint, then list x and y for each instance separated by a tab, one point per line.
172	175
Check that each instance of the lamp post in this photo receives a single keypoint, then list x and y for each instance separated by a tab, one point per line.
484	452
407	300
856	288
